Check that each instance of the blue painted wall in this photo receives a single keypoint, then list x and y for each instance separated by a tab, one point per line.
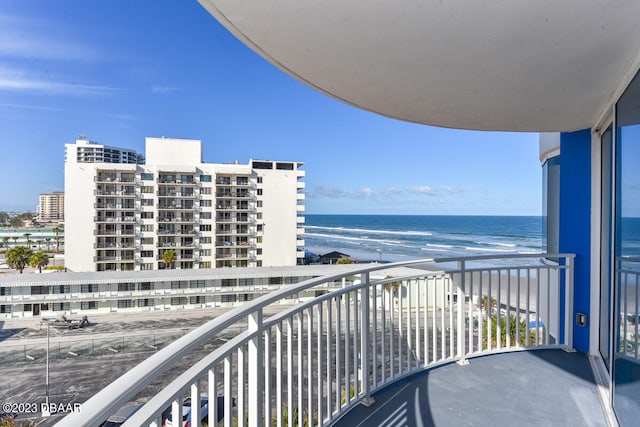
575	221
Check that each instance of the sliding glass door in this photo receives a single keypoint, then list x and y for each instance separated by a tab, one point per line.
626	351
606	250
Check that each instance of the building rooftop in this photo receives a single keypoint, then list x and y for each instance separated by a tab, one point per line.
69	278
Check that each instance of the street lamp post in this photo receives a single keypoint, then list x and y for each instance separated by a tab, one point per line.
45	410
47	381
379	254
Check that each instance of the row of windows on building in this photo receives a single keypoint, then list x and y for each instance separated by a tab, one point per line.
149	286
164	178
131	303
188	179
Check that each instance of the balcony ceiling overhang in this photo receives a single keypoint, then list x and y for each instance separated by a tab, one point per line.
490	65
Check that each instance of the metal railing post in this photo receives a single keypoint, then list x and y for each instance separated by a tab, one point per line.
460	305
195	401
568	318
365	367
255	370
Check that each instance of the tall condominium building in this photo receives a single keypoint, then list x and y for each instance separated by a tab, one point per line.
51	207
125	215
85	151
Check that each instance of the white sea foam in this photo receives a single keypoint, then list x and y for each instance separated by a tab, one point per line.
356	239
430	249
506	245
469	248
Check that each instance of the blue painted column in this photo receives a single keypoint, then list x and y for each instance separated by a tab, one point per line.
575	221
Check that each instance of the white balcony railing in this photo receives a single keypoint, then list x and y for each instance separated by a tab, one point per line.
627	271
317	359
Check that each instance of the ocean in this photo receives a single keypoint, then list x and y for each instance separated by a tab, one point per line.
404	237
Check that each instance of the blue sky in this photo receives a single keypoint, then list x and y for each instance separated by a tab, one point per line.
119	71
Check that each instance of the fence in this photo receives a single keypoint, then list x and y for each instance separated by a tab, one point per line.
311	363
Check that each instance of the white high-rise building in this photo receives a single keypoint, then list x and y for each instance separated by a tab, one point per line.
51	207
125	215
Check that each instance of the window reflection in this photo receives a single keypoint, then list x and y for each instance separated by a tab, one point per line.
626	370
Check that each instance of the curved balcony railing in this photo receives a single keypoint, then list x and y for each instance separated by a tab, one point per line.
316	360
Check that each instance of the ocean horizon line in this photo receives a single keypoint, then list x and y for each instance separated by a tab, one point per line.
430	215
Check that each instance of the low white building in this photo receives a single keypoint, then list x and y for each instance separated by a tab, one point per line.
56	294
124	213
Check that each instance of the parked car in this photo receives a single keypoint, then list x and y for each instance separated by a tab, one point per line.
186	412
167	415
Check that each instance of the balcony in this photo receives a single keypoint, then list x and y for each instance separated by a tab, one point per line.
177	194
123	232
114	219
232	244
188	219
168	180
177	206
114	258
114	206
381	352
175	244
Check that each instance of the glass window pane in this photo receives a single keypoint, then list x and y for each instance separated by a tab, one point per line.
626	369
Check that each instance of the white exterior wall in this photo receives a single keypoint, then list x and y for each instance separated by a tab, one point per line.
78	222
80	205
549	145
171	151
280	210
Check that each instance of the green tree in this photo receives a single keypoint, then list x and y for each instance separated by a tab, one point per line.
39	260
5	240
15	222
169	256
56	230
525	336
391	287
48	242
18	257
344	261
15	239
27	237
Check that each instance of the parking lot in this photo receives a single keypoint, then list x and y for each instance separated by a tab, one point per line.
83	361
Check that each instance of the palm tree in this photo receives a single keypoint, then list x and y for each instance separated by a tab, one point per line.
48	239
27	237
169	256
15	239
39	260
57	231
18	257
391	287
5	240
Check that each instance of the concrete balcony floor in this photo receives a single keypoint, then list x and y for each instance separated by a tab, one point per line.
526	388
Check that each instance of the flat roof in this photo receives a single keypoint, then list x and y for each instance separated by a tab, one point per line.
75	278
